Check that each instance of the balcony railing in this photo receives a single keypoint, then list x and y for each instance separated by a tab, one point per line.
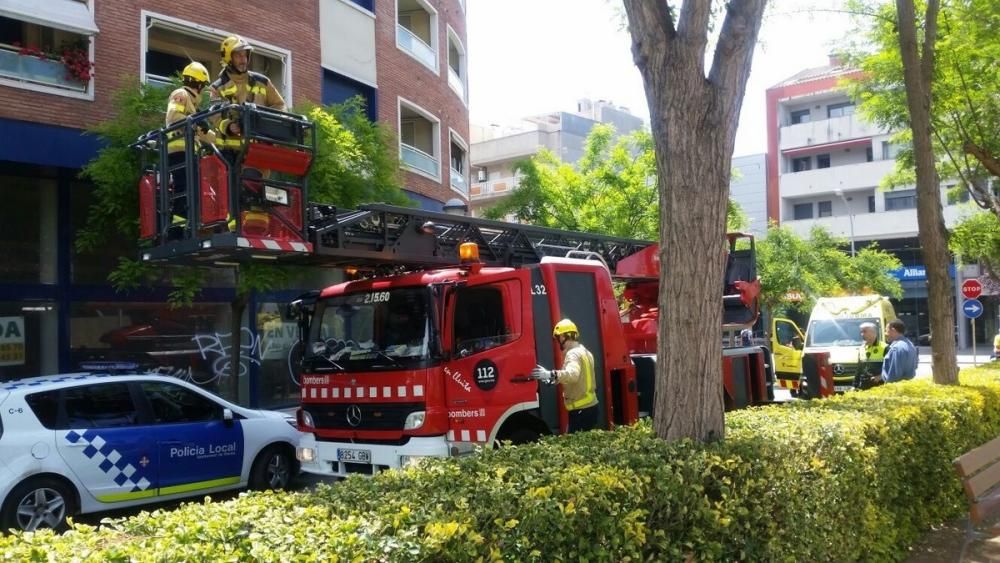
419	160
157	80
458	181
494	188
825	131
456	83
825	181
416	46
40	71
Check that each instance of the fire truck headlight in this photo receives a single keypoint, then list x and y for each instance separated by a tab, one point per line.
305	455
408	460
415	420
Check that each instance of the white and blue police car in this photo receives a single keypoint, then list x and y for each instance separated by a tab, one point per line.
82	443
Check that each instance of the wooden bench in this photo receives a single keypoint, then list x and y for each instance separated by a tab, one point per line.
979	470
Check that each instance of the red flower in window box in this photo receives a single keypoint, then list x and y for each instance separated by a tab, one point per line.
76	59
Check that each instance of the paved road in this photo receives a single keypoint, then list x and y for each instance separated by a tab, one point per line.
965	359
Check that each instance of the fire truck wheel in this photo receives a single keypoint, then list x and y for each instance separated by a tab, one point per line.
517	436
273	469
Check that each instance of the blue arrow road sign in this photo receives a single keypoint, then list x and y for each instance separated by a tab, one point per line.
972	308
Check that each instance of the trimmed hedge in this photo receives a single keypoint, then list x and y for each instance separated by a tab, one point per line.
857	477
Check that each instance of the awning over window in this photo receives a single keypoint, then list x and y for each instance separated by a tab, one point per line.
70	15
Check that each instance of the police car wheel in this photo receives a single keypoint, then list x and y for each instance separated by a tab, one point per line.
38	503
273	469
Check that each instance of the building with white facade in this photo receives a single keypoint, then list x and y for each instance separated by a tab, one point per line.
496	150
824	166
748	189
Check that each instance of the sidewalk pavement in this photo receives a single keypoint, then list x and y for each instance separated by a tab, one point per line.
945	544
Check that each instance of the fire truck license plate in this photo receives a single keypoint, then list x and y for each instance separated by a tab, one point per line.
355	456
842	388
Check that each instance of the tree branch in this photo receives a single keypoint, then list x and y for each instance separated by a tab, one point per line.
734	52
649	19
929	46
692	25
985	158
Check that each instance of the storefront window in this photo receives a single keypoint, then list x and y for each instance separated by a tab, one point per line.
28	229
29	339
280	352
190	343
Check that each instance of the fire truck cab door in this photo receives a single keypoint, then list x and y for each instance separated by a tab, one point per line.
492	356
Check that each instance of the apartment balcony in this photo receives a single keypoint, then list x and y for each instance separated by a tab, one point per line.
456	83
828	180
511	147
827	131
458	181
874	226
416	46
493	188
419	160
49	72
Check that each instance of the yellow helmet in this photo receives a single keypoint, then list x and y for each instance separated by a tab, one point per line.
564	326
195	72
230	45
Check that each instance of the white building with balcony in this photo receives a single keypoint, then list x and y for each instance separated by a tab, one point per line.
496	150
824	167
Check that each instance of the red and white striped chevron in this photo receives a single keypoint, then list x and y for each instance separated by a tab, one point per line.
273	244
364	392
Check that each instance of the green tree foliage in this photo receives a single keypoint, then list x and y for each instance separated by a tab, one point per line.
966	111
355	163
611	190
977	238
818	267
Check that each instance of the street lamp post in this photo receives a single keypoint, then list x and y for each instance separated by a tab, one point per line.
850	217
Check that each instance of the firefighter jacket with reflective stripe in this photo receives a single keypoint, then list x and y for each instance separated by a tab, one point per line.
183	102
577	378
238	88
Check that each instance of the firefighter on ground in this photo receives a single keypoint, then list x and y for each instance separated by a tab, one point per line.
237	84
183	103
870	357
577	377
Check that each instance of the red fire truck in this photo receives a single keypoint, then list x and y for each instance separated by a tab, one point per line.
429	352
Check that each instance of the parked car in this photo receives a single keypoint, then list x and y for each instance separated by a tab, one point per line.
81	443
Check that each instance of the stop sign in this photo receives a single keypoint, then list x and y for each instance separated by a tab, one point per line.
971	289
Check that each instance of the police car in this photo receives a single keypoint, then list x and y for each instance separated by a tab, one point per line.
92	442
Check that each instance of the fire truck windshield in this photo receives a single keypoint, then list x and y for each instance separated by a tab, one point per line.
372	330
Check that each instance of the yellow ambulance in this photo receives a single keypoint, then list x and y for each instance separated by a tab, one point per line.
834	327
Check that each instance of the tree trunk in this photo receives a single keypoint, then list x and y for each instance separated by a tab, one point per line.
693	118
918	74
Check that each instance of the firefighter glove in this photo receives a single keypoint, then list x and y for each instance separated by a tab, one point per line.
543	374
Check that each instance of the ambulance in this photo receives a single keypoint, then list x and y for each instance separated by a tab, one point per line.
835	327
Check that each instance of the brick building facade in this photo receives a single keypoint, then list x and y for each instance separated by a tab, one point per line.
65	312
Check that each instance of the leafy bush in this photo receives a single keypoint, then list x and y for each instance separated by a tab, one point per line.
857	477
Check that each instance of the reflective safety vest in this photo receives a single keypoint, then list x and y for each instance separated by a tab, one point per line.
238	88
578	379
182	103
871	354
874	352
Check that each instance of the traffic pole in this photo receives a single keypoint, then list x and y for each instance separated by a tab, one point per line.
972	323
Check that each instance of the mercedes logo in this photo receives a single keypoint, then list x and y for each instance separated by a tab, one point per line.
837	369
354	415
